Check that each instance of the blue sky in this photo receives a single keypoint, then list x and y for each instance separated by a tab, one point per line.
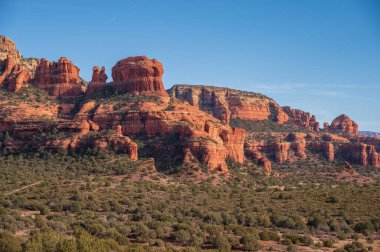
321	56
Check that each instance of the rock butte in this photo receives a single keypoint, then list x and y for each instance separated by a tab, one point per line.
192	121
225	103
345	124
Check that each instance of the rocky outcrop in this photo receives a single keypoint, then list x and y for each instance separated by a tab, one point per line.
302	118
6	67
324	148
191	126
334	138
225	103
361	154
59	78
139	75
18	77
281	151
202	137
77	138
99	75
13	76
8	49
114	140
344	124
253	153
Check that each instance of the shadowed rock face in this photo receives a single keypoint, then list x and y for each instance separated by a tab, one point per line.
361	153
139	75
59	78
344	124
225	103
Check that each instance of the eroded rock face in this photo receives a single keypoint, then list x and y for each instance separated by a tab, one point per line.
324	148
302	118
255	155
281	151
117	141
78	138
13	76
360	153
59	78
139	75
225	103
18	77
8	49
202	136
6	67
344	124
99	75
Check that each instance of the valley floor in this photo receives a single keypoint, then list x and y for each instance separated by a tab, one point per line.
107	202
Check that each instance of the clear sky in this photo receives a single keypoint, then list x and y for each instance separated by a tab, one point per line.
321	56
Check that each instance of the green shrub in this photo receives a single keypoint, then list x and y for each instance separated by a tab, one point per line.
328	243
269	236
8	243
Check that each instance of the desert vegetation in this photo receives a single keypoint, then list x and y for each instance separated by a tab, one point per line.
56	202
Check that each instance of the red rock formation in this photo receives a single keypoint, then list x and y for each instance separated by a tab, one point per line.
225	103
78	137
58	78
302	118
325	148
139	75
347	165
361	153
5	69
281	151
13	76
117	141
17	78
334	138
202	136
99	75
344	124
8	49
260	158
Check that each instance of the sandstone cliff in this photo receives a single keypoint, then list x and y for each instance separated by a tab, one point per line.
344	124
59	78
225	103
139	75
191	125
302	118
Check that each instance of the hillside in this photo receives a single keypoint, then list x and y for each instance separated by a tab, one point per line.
126	165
